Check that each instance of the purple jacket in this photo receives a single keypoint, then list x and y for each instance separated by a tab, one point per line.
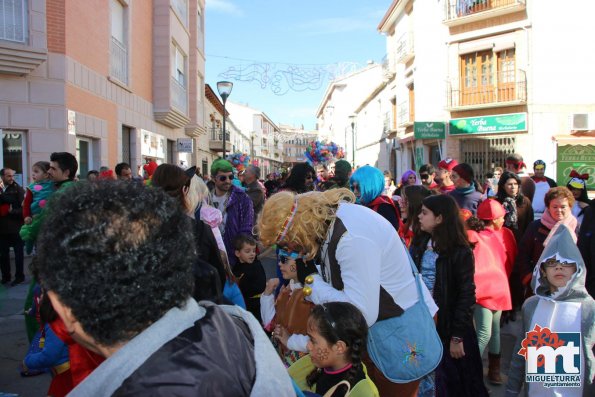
240	215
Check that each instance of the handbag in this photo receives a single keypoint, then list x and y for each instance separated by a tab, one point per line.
407	347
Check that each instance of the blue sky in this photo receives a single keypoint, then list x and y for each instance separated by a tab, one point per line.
280	53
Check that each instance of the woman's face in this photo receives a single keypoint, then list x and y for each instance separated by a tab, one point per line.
356	191
511	187
309	179
576	192
411	179
457	180
427	220
559	208
288	268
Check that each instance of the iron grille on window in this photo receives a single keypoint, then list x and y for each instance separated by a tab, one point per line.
483	154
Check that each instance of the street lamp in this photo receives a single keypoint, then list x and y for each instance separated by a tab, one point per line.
352	118
224	88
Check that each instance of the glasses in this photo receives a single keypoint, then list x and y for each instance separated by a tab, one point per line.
424	176
553	263
223	178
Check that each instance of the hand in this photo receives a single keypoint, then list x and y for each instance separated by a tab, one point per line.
457	350
271	286
281	334
28	220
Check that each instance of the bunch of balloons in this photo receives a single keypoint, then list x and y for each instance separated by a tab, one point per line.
239	160
322	152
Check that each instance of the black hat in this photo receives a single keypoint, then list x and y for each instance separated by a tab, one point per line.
190	172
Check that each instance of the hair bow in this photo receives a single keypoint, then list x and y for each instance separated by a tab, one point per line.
574	174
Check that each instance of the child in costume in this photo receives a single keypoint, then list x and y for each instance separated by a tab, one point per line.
287	316
249	272
562	304
51	353
337	340
36	197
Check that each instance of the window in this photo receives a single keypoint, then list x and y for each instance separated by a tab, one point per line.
179	66
126	144
506	75
13	20
200	32
118	46
13	153
205	167
170	153
84	156
477	78
181	8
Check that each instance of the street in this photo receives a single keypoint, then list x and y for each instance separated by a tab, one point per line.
13	340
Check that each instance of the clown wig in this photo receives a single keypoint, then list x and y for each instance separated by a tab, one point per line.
220	165
405	177
370	181
302	220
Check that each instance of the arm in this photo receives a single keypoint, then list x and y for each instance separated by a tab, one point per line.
464	285
51	354
267	309
298	343
359	260
246	212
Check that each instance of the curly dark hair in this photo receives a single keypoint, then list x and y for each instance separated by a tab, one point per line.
118	254
340	321
296	181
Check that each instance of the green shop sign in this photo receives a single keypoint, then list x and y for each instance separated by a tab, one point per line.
576	157
489	124
429	130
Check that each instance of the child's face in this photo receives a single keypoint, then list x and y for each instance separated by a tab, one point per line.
288	267
247	254
558	274
323	354
38	174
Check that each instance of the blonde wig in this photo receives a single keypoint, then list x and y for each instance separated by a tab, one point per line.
307	228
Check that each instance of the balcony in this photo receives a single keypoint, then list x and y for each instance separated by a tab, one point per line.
388	70
458	12
404	52
509	90
119	61
216	140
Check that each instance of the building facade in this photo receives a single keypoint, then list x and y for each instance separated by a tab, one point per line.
111	81
295	142
482	83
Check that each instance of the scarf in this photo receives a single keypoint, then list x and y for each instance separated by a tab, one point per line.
511	218
552	224
466	190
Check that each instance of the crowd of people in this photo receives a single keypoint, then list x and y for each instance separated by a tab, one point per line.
384	287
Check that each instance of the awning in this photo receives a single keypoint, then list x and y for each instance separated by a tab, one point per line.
574	139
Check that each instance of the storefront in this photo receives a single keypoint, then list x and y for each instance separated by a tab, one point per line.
486	141
13	154
429	137
153	147
576	154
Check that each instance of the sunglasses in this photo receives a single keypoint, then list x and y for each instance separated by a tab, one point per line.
223	178
284	256
552	264
424	176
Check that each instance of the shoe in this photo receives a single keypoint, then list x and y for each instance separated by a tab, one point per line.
17	281
494	369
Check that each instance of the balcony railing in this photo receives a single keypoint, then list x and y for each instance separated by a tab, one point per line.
404	50
179	97
217	134
119	61
462	8
509	89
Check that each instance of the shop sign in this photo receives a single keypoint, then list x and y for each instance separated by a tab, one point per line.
185	145
429	130
513	122
576	157
71	122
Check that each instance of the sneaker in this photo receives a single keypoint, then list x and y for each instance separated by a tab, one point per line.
17	281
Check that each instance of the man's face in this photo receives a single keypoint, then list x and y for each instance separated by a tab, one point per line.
223	181
249	176
8	177
331	169
426	178
56	173
125	175
539	171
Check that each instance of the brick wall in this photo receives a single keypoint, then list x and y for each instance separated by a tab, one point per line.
55	26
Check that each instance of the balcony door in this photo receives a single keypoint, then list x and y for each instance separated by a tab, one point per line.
506	75
477	78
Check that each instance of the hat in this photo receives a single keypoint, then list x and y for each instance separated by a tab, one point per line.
150	167
342	168
578	181
539	164
465	171
190	172
448	164
490	209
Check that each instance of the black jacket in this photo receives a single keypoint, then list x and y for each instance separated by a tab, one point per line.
208	250
454	291
213	358
12	197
